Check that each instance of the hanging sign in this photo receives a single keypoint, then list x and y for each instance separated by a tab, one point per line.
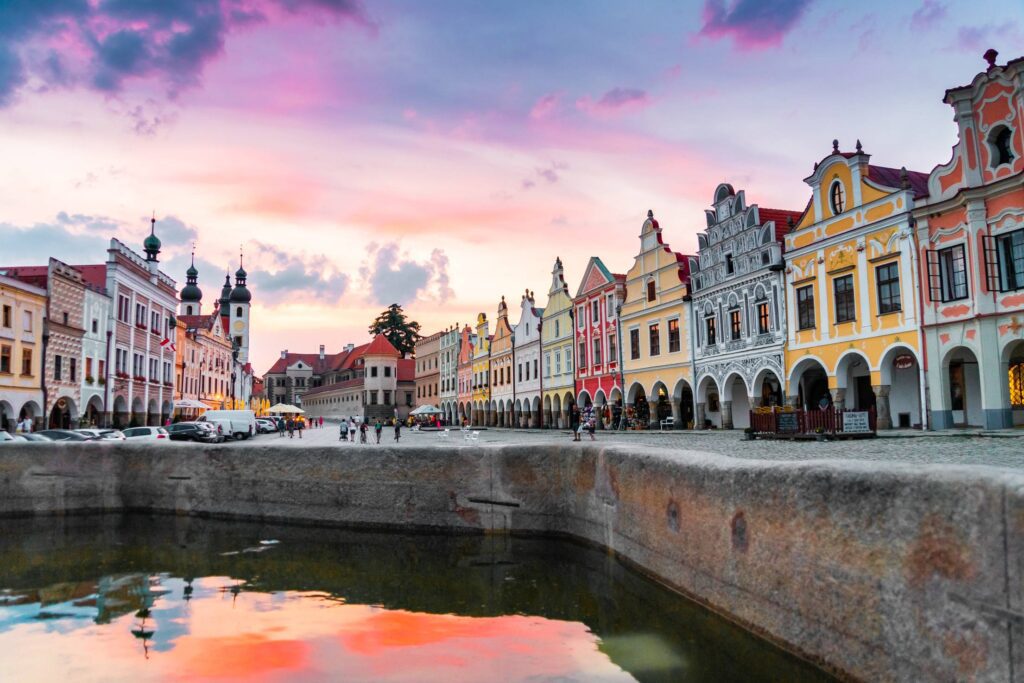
903	362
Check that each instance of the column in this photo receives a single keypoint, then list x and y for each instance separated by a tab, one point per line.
882	405
677	415
726	407
701	416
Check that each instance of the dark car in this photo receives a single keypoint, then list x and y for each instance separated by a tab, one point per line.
193	431
64	435
35	436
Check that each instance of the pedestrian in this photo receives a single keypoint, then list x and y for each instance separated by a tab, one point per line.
352	426
291	428
301	425
377	428
398	430
574	422
589	421
363	428
321	422
343	430
280	426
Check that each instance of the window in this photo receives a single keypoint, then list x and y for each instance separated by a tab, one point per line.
580	317
64	318
735	326
595	312
154	322
673	336
5	359
613	350
709	331
805	307
88	367
373	398
651	294
535	368
547	364
7	316
887	278
238	311
26	361
1000	143
95	326
373	371
634	344
26	319
568	361
556	327
387	370
837	197
387	398
1011	261
765	258
558	362
102	368
123	308
947	274
597	351
763	321
583	355
730	267
140	315
519	371
58	369
654	339
842	287
73	370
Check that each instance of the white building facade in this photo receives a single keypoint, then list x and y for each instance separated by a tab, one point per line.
526	350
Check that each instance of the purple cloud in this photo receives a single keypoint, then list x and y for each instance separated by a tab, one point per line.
614	102
104	45
930	13
546	106
752	24
973	38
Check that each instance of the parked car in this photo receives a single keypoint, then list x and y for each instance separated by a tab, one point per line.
194	431
64	435
102	434
34	436
5	437
264	425
146	434
238	424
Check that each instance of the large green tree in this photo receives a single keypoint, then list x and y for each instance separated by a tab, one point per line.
397	329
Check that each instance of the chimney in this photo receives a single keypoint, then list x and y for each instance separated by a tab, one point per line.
350	347
284	354
321	352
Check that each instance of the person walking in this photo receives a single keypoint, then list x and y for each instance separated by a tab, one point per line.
291	428
321	422
300	424
377	429
343	430
352	427
363	428
280	426
574	422
398	430
589	421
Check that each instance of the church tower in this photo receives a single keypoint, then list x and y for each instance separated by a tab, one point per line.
191	295
239	314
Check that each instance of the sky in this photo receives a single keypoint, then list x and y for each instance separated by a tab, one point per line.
441	155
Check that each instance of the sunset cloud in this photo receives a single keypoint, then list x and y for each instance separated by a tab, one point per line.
752	24
615	102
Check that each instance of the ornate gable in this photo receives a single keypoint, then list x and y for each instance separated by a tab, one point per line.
595	277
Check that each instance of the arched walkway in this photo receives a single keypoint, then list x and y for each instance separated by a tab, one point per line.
808	385
556	412
661	404
121	416
64	414
898	397
535	416
568	403
638	410
709	407
853	383
961	378
682	405
601	412
7	417
153	416
1012	369
767	389
93	411
736	404
549	418
32	411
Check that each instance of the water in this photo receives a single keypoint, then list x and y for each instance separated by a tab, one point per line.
154	598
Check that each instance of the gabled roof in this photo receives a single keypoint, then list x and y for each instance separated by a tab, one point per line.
380	346
198	321
892	177
781	218
593	274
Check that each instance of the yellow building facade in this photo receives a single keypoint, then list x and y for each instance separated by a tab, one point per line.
21	353
655	328
481	372
556	340
852	294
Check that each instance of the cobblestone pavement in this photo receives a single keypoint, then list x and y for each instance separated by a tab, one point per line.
1005	449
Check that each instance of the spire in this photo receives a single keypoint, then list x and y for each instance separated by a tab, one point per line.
191	293
558	278
152	243
225	294
240	294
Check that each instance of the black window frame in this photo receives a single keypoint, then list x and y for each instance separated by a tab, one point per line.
654	339
764	320
634	343
674	338
805	308
942	280
845	300
887	284
837	204
710	331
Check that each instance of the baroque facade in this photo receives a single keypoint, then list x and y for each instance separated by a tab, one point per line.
596	318
448	352
655	344
738	309
502	411
428	371
557	343
23	308
526	353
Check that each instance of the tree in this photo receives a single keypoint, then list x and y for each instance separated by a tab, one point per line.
397	329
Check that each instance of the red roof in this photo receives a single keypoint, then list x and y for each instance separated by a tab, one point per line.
406	369
95	276
892	177
781	218
343	360
380	346
33	275
197	321
324	388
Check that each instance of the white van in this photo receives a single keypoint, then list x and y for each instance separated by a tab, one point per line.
237	424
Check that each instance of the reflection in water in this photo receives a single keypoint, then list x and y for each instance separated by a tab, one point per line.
144	598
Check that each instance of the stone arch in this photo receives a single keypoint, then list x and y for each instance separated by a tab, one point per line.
165	410
899	394
583	398
963	387
709	403
1011	370
152	416
120	415
63	413
767	388
683	404
808	383
138	413
735	402
853	382
557	414
7	416
634	389
661	403
535	413
31	410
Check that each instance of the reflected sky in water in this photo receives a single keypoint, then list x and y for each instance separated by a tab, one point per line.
162	599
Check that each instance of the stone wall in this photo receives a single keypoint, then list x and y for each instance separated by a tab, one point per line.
877	572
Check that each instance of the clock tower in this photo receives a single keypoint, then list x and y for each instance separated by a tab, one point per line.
238	324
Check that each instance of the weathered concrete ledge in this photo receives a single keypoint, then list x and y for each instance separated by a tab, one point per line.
877	572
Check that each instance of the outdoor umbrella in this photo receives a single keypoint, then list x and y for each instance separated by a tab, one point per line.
188	404
426	410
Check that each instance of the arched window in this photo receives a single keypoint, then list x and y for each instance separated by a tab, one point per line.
238	311
188	309
1000	141
837	197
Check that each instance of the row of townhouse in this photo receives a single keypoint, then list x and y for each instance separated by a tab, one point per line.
101	345
892	290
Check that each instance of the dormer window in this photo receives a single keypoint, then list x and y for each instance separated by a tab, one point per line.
837	197
1000	142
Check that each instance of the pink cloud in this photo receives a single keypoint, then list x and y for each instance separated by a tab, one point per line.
930	13
752	24
546	106
615	102
972	38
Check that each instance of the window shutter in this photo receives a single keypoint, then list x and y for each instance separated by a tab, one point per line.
934	275
991	253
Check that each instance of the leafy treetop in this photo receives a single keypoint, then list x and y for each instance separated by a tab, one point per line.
397	329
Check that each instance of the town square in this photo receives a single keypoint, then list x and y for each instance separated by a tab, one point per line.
469	341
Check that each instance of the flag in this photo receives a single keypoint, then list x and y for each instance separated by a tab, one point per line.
167	342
